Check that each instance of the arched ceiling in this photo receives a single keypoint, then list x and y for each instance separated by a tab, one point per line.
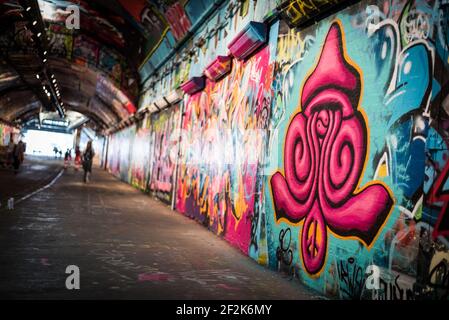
95	66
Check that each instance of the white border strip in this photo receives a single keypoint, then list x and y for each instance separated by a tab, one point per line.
41	189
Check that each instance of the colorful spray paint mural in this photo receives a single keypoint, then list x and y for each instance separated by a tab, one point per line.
218	177
351	190
5	134
299	12
140	157
325	155
120	152
165	131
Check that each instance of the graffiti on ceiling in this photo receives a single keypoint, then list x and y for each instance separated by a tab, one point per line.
95	65
301	12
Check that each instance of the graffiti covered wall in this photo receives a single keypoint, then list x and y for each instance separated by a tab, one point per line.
355	98
325	155
5	134
120	152
140	157
165	131
218	177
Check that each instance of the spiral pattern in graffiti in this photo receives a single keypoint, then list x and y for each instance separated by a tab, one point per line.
324	157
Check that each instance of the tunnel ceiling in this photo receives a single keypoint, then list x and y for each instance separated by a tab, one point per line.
95	66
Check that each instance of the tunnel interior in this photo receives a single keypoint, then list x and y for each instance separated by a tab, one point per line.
53	70
312	136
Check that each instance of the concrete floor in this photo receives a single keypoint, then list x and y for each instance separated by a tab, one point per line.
126	245
34	173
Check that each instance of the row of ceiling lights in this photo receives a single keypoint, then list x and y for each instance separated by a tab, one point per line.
47	89
49	84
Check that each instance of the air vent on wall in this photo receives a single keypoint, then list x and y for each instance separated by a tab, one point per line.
218	68
193	85
247	41
174	96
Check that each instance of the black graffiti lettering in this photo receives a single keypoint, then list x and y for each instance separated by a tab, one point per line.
283	252
352	278
256	215
397	289
394	291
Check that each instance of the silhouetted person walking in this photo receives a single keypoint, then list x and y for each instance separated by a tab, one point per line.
67	158
88	156
18	155
11	147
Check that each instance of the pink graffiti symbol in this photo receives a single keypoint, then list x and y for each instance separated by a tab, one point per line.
324	156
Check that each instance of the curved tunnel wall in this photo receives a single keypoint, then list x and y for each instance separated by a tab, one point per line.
324	155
